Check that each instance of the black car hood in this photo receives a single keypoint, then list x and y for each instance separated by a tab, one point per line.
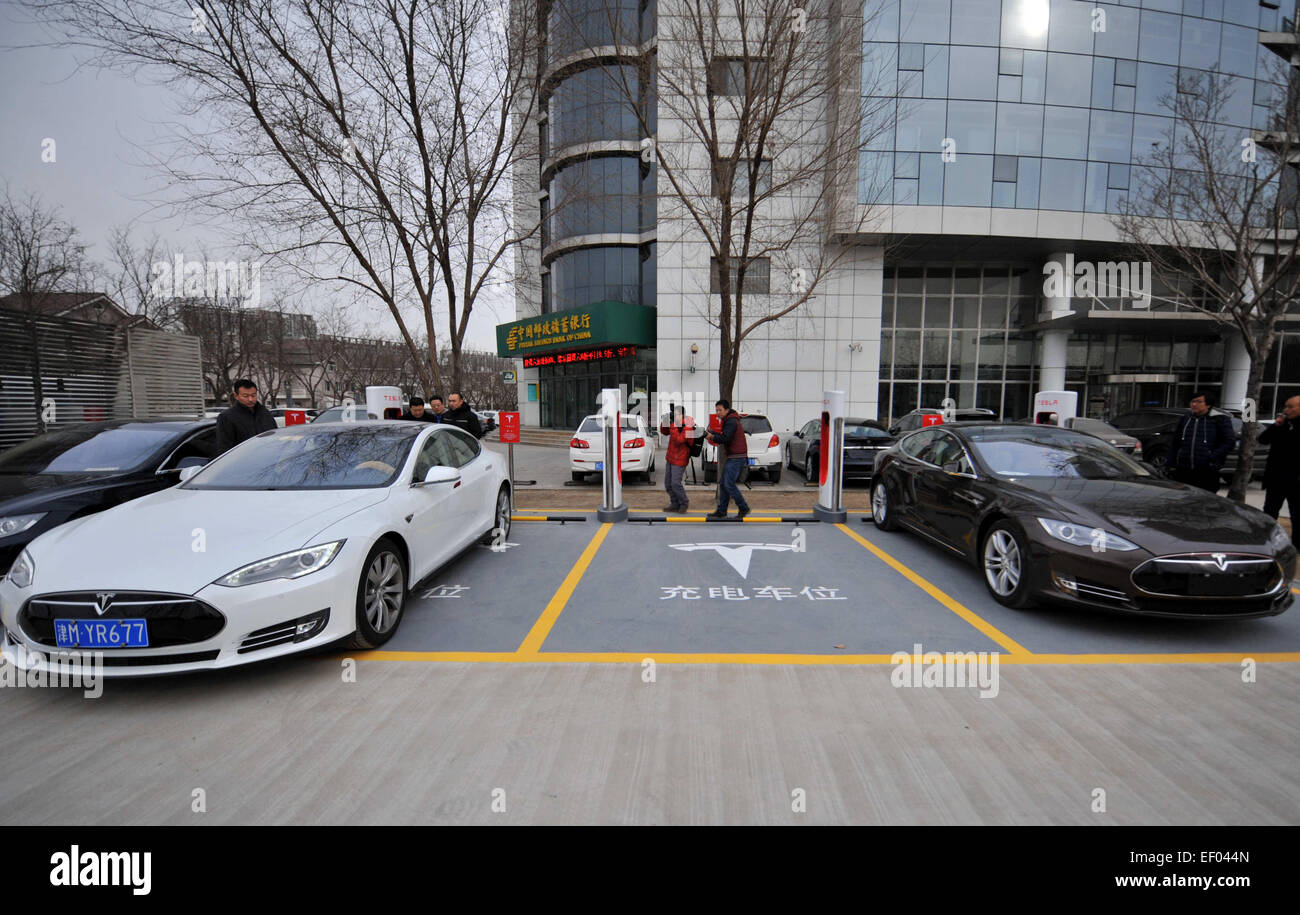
41	491
1158	515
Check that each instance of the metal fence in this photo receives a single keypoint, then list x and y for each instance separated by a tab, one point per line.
91	372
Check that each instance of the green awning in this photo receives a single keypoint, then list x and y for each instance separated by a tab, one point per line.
599	324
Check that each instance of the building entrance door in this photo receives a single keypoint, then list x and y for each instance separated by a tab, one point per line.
1116	394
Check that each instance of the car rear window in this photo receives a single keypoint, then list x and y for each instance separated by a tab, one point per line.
755	425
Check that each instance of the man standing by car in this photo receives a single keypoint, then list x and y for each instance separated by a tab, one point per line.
244	419
1201	443
732	439
416	411
680	431
1282	470
461	415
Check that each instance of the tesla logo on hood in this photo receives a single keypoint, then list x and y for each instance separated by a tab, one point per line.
737	555
1220	560
103	600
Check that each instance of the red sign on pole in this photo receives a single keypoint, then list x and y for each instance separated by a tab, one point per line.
295	417
931	419
509	428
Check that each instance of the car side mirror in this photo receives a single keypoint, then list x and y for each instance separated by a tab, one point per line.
798	434
440	474
188	473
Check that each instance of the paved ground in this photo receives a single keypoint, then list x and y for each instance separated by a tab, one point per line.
576	678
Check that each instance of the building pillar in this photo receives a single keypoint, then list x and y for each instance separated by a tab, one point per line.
1057	302
1236	371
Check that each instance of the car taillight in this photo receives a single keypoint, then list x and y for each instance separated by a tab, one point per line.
578	443
1137	448
776	440
634	443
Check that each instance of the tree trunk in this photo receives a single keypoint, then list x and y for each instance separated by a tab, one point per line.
1250	430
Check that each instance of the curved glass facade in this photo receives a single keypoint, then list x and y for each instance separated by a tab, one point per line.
607	193
1047	103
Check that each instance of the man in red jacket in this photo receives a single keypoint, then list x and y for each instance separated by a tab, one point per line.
733	456
680	431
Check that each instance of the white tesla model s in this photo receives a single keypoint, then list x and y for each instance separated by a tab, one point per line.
297	538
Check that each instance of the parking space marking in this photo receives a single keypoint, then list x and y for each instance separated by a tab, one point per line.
541	629
973	619
662	657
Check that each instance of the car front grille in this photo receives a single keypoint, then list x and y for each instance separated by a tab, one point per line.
173	619
1208	576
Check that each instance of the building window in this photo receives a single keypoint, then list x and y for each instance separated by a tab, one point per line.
757	276
731	75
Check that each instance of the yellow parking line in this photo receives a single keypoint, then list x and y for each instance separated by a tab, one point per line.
542	628
997	635
636	657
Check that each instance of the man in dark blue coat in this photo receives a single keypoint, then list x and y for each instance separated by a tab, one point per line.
1201	443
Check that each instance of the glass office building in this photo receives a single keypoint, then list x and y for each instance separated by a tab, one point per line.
1014	131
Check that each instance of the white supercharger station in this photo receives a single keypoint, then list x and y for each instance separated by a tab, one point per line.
385	401
1053	408
612	506
830	470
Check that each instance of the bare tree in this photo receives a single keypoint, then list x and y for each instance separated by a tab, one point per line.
1219	207
372	140
131	278
759	121
40	254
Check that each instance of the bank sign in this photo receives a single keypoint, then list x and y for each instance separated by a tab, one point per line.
600	325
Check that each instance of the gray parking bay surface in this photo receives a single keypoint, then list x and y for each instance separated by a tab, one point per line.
291	742
750	588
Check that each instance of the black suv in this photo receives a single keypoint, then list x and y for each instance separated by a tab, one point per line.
1155	428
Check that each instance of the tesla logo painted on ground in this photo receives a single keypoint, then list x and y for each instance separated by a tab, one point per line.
103	600
737	555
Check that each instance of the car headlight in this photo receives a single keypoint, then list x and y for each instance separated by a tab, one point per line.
285	565
1090	537
23	570
16	524
1278	538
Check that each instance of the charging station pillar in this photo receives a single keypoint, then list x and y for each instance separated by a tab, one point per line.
830	460
612	507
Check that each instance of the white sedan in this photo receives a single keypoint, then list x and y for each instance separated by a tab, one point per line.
587	448
294	539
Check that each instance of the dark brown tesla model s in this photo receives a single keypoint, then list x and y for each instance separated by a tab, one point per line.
1050	514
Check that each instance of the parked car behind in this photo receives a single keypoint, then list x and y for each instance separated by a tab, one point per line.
863	440
1154	427
587	448
929	416
85	468
1107	433
763	445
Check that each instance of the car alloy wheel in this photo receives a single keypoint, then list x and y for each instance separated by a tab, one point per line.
810	467
381	596
1005	560
500	520
789	460
881	513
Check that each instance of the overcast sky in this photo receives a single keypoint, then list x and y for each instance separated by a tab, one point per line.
98	121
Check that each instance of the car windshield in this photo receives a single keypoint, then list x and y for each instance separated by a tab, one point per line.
364	457
592	424
755	425
88	449
1031	455
865	434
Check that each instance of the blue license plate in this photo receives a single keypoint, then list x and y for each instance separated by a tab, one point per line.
753	462
101	633
600	465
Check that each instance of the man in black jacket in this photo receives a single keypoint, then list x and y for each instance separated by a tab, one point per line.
244	419
1282	470
1202	442
461	415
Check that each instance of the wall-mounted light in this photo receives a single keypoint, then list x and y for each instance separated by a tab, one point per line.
855	347
695	349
